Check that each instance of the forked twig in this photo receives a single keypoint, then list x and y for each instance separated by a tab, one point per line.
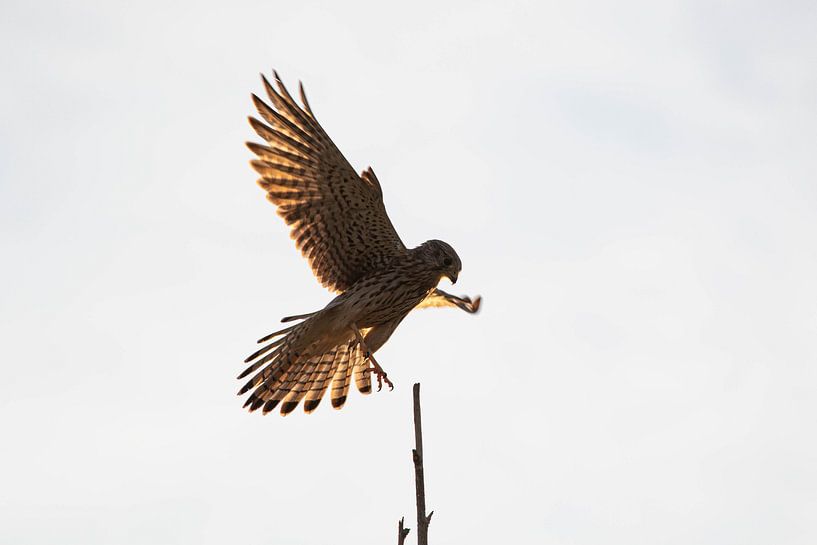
401	532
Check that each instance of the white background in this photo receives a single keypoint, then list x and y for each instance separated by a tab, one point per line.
630	185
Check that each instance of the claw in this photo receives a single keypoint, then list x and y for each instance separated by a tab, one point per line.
387	381
381	377
381	374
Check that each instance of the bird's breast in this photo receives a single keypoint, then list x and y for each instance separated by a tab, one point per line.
388	297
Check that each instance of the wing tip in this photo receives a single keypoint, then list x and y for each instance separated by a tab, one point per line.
305	102
259	126
258	101
476	304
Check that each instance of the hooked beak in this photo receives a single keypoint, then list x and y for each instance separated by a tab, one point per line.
452	276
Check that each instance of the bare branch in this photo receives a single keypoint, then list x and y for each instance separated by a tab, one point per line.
423	520
401	532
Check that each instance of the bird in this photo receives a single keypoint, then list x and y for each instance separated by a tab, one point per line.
339	223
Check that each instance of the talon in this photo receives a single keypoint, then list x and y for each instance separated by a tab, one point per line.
381	377
367	355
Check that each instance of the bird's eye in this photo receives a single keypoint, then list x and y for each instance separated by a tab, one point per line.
447	261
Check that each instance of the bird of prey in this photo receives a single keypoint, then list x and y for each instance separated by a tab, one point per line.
339	223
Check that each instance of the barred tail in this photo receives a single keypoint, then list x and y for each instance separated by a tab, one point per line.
363	379
289	377
343	375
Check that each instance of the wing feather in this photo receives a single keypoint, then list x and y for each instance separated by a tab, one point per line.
439	298
337	218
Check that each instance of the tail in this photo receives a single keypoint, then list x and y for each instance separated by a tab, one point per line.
288	377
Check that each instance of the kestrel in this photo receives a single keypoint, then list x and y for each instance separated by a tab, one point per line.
338	221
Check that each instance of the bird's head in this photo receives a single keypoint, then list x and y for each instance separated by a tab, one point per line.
443	258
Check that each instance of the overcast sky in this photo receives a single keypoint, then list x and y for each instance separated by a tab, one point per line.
632	187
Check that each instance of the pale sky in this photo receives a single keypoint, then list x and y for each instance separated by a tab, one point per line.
632	187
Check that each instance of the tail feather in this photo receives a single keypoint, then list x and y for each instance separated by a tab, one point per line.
312	389
342	377
283	376
262	376
363	379
264	349
274	375
276	333
315	377
267	380
272	358
296	317
285	384
278	391
300	388
279	360
320	383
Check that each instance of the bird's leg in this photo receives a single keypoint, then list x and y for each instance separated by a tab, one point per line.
381	374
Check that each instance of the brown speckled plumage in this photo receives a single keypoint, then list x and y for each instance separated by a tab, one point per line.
338	221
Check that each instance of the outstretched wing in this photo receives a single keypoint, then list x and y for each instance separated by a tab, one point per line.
337	218
439	298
